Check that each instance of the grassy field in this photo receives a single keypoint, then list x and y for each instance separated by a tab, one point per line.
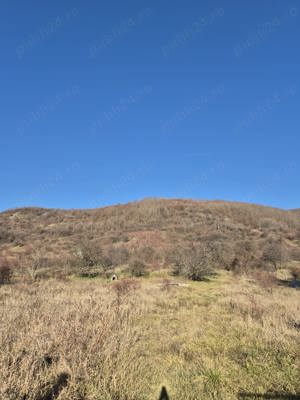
227	338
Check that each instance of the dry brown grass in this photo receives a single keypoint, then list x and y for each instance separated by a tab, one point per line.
83	331
123	340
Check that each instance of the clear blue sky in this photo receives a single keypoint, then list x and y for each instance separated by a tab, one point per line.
104	102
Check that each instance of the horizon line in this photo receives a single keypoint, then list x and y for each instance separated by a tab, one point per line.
156	198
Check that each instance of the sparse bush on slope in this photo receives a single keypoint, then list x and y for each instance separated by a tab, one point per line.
274	253
118	255
90	255
5	271
137	268
195	263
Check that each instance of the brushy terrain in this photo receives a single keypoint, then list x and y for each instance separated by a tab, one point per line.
230	330
151	231
226	338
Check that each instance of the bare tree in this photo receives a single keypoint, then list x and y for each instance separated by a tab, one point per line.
274	253
195	263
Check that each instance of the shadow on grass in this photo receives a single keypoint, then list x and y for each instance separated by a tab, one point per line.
163	394
207	278
277	396
54	390
292	283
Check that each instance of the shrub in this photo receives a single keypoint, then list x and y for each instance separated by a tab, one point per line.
245	251
178	267
36	265
271	225
137	268
106	262
6	236
118	255
172	255
274	253
147	254
5	272
195	263
198	265
90	254
222	253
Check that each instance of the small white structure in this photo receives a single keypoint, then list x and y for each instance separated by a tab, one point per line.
114	277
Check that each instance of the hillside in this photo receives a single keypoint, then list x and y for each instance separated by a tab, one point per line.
214	314
151	230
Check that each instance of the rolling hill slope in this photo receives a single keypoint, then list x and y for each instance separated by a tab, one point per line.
151	229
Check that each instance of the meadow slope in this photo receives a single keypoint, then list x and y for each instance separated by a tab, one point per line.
227	338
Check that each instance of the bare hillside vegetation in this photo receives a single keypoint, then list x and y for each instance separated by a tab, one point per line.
152	231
